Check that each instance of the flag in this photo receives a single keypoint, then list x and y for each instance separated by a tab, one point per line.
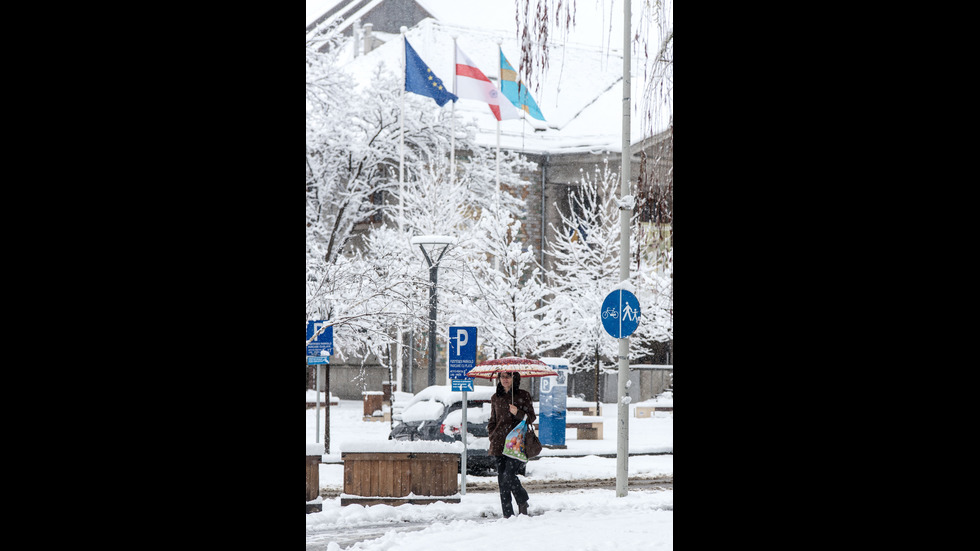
510	84
419	78
471	83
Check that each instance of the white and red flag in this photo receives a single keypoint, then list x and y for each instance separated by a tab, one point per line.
471	83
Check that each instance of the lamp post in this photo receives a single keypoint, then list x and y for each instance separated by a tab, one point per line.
433	246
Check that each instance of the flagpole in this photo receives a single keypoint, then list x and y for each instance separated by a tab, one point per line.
452	113
401	145
401	186
500	83
496	196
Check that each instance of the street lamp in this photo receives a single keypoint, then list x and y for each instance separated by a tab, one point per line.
433	246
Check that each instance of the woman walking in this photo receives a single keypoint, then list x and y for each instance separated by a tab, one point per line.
508	406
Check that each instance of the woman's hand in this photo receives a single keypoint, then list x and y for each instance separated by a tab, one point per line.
513	409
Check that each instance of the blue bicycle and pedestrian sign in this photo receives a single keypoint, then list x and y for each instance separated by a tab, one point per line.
620	313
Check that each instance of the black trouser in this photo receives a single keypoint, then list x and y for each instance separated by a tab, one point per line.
507	468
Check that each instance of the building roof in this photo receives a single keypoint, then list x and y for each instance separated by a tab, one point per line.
580	95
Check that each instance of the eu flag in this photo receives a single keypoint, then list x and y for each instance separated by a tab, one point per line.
419	79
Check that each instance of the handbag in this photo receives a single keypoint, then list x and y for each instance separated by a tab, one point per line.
532	446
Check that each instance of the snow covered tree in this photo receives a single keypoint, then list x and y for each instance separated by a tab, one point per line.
374	282
507	289
352	166
486	271
652	37
586	261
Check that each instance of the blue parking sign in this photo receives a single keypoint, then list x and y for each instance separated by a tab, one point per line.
323	345
620	313
462	356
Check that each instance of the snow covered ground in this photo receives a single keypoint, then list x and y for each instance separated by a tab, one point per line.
588	519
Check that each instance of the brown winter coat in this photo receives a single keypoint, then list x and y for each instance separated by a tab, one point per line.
502	421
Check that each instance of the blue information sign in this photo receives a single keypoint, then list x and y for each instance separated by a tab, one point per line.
620	313
552	404
323	342
462	357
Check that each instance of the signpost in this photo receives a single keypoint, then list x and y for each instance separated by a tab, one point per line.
462	358
319	346
620	317
553	403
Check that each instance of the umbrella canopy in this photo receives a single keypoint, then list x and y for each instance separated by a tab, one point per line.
525	366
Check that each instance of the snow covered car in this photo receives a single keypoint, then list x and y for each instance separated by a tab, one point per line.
435	413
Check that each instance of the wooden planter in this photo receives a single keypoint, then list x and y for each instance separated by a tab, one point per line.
396	478
373	401
312	482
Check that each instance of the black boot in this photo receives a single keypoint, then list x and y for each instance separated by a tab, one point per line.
522	508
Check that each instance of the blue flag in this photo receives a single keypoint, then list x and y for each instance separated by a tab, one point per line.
419	79
515	91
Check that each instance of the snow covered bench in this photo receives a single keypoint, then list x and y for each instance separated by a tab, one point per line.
312	396
648	411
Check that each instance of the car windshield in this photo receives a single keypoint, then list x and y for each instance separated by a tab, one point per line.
422	411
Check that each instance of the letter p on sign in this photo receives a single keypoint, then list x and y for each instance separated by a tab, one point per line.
462	337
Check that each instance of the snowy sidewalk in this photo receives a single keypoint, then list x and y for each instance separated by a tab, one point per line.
591	519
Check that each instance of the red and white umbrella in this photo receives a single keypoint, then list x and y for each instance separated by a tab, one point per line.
525	366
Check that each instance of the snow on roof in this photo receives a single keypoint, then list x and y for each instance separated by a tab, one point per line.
580	95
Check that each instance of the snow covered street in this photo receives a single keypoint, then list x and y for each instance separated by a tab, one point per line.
581	519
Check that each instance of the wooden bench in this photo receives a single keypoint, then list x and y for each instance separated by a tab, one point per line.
312	405
587	410
589	427
648	411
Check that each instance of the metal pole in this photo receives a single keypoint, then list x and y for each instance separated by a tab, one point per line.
411	360
399	350
622	440
452	116
433	278
326	424
462	468
318	403
401	143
